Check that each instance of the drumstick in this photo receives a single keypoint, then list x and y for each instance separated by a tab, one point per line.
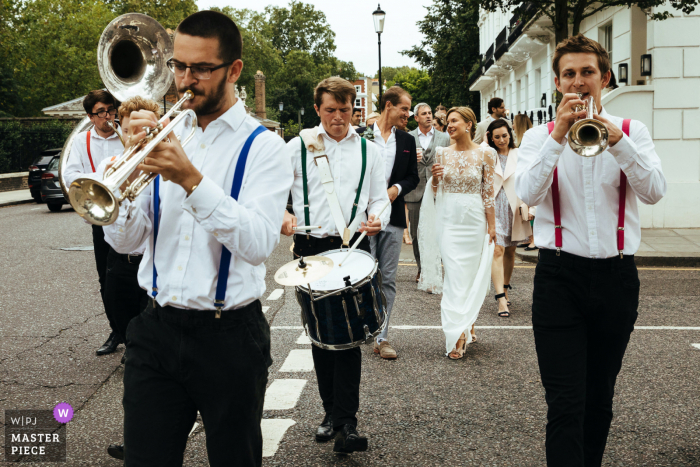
364	234
311	227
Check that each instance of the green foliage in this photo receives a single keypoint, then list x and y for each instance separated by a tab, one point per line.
417	83
301	26
168	13
390	72
21	144
448	52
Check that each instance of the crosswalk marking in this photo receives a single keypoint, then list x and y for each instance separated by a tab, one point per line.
277	293
265	308
697	346
407	327
283	394
273	430
303	339
298	360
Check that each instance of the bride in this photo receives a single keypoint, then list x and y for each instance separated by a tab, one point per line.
453	229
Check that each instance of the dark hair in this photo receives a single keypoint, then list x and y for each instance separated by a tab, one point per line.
495	102
393	95
613	82
210	24
440	119
356	109
580	44
495	125
339	88
99	95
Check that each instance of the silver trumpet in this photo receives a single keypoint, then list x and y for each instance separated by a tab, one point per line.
98	201
113	126
588	137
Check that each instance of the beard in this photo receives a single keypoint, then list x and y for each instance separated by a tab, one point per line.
212	102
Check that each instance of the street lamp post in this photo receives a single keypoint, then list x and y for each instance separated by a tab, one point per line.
300	113
378	17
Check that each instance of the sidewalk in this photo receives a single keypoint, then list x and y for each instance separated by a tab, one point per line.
659	247
10	198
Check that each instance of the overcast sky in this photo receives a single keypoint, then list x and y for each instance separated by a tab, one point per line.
352	23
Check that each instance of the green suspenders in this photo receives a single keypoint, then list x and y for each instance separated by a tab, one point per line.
306	188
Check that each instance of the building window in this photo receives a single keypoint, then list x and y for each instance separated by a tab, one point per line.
358	102
358	89
605	37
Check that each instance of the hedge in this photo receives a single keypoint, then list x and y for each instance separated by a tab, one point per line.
21	143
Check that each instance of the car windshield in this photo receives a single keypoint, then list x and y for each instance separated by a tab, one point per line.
54	164
43	160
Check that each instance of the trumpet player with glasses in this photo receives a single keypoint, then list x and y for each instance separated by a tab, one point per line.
89	149
585	172
210	220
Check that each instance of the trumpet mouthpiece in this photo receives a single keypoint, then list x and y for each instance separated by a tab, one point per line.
189	94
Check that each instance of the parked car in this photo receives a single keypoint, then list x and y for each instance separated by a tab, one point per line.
37	169
51	192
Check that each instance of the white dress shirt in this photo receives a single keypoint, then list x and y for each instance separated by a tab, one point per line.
589	189
425	139
193	229
78	163
345	161
388	151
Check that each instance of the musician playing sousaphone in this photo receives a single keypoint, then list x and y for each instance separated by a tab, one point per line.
210	220
335	155
587	227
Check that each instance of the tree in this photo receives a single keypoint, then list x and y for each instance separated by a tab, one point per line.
168	13
449	51
417	83
565	12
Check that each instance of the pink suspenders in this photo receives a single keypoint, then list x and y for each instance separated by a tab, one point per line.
89	154
621	209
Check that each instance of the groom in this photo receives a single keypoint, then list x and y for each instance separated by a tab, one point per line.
398	149
428	139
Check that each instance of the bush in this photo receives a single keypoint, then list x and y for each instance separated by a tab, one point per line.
20	143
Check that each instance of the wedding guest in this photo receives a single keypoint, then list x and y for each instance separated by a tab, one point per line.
511	212
356	119
497	110
371	119
586	292
453	230
439	123
428	139
398	149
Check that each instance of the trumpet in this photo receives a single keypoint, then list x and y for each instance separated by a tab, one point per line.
588	137
114	127
98	201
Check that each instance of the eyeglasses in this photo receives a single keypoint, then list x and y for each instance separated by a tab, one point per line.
103	113
198	72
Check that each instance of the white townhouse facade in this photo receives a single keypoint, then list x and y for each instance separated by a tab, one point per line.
516	66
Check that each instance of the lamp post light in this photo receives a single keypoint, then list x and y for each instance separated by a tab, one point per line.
646	65
378	15
622	73
300	113
281	106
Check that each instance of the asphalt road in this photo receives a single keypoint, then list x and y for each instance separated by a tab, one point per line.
419	410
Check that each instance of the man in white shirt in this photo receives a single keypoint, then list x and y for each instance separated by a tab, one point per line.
586	284
338	371
89	149
203	343
399	151
497	109
428	139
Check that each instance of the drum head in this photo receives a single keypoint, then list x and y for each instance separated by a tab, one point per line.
358	266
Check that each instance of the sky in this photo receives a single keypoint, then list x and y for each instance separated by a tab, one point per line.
355	38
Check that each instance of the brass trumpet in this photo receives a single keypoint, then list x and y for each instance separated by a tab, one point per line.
588	137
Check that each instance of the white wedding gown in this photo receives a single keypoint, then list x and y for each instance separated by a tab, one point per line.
453	231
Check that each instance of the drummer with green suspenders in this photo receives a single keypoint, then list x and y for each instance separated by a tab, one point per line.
339	185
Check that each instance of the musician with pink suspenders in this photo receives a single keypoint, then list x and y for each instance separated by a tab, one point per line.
88	150
586	288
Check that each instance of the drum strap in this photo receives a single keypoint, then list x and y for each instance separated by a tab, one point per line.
621	201
225	262
329	188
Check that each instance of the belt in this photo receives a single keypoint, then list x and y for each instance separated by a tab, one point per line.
131	259
182	315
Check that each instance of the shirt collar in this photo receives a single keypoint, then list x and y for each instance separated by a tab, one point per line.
234	116
94	134
351	133
430	133
376	128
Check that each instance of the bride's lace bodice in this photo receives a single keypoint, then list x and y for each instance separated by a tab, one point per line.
469	172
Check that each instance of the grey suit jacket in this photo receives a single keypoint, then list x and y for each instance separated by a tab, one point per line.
439	140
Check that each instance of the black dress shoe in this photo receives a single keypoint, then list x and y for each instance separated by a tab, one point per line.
348	440
325	431
116	451
110	344
123	359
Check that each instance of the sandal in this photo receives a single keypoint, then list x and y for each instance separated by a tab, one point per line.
507	286
458	351
504	313
473	334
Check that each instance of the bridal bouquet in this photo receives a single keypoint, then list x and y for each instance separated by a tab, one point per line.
368	134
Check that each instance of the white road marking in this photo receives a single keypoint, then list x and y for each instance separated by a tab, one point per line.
283	394
286	328
697	346
194	427
298	360
407	327
303	339
277	293
273	430
265	308
36	209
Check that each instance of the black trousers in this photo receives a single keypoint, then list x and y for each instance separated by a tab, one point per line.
338	371
101	249
183	361
583	313
124	298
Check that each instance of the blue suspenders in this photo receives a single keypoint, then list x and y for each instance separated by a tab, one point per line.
225	253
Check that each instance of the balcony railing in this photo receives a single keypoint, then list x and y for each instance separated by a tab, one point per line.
501	43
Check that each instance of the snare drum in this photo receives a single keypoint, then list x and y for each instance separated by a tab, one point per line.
347	307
